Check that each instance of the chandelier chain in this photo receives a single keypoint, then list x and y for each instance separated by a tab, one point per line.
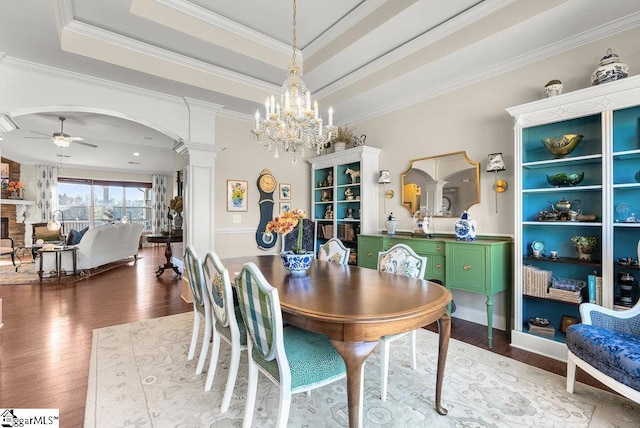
295	38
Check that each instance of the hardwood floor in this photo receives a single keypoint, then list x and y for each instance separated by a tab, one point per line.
45	343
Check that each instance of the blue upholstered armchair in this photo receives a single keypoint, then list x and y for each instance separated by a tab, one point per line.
606	345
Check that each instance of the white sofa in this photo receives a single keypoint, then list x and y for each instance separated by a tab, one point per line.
99	245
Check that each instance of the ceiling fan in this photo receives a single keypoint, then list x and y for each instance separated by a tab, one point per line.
61	139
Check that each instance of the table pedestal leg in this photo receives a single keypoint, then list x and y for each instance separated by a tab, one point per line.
444	328
354	354
168	253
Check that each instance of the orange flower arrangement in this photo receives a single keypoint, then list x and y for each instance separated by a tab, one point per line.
284	223
14	186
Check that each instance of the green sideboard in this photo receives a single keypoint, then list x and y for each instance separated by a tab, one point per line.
482	266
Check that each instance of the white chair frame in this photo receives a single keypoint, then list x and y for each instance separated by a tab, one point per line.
277	352
201	306
385	341
223	318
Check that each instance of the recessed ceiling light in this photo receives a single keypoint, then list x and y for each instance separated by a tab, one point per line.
136	154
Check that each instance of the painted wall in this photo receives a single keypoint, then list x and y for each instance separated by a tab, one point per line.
243	160
474	119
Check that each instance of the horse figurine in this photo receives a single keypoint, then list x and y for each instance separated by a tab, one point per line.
354	175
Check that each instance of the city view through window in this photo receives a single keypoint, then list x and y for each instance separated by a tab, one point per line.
91	204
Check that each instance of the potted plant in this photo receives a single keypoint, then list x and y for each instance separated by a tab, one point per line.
176	204
298	260
584	246
342	137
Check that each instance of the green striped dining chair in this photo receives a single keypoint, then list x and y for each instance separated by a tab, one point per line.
228	324
201	306
294	359
400	260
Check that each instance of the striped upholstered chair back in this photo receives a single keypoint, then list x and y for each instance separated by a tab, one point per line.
294	359
195	275
260	307
201	305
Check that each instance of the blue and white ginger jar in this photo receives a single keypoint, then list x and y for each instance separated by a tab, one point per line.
610	69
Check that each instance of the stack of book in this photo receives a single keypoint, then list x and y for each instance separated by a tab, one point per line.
565	295
547	330
595	288
327	231
536	281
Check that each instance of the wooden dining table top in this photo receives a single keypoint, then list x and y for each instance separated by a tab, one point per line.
347	296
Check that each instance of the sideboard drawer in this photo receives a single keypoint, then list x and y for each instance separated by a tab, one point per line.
421	246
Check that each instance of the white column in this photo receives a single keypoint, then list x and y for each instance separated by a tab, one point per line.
199	154
199	194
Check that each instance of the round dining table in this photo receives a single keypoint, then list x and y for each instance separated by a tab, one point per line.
354	307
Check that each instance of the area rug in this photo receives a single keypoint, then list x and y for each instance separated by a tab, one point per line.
140	377
27	273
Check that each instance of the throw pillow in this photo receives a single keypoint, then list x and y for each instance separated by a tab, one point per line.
75	236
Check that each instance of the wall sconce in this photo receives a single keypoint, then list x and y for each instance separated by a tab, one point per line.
385	179
495	165
54	224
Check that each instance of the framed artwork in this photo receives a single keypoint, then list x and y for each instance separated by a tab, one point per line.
285	191
237	195
285	207
566	322
4	176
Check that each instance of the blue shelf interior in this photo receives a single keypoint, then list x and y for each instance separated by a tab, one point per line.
589	126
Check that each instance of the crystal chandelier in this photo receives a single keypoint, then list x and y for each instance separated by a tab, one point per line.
291	126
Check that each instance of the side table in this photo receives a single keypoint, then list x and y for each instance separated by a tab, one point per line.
168	252
20	252
58	251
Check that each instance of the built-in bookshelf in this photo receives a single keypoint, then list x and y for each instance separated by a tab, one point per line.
344	189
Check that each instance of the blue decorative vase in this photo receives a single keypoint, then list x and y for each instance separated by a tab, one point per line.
296	264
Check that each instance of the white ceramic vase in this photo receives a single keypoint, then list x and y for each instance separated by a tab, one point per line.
391	226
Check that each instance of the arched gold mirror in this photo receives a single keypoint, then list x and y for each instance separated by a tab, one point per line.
444	185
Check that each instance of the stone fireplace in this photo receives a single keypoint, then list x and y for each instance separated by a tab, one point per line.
13	224
10	227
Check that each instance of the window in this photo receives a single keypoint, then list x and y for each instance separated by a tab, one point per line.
96	202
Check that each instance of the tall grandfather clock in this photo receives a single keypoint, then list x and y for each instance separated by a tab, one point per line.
266	185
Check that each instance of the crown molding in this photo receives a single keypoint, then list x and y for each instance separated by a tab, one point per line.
226	24
569	43
340	27
60	74
6	123
130	44
202	106
230	114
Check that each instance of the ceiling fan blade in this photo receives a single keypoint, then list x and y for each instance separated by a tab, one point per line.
40	133
39	138
84	143
76	138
